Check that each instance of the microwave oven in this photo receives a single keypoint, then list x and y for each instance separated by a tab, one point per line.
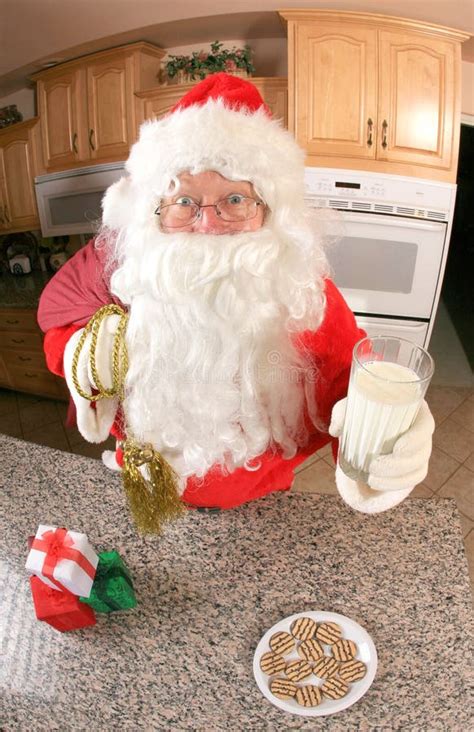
69	202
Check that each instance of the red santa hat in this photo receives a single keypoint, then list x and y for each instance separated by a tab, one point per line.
221	124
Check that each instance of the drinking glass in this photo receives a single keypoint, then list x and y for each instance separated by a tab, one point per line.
389	378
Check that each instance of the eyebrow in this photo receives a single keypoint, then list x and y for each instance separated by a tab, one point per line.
187	186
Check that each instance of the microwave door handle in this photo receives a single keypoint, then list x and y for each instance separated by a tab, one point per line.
393	221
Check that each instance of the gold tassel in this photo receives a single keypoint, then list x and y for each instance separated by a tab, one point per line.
155	500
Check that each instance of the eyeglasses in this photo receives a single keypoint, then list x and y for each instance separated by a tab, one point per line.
185	211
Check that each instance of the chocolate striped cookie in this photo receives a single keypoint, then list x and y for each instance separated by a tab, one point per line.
303	628
328	633
282	643
310	650
272	663
309	696
352	670
344	650
325	667
283	688
335	688
298	670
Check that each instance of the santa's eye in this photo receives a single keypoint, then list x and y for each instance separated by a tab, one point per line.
185	201
235	199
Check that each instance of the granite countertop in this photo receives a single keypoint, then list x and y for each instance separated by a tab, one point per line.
22	291
209	588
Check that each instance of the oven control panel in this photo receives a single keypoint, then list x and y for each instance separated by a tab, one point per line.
329	187
332	186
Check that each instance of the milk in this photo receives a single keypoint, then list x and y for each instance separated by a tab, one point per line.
382	403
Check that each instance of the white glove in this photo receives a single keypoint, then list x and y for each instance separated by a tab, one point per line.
391	477
93	424
110	460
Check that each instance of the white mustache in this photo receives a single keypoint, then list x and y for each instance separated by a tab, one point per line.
198	283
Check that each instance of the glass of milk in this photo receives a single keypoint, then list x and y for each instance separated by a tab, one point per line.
389	378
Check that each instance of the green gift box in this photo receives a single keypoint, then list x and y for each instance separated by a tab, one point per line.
112	589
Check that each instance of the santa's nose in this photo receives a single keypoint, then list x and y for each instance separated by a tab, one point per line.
209	222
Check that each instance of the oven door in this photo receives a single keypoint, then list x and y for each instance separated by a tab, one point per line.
388	265
412	330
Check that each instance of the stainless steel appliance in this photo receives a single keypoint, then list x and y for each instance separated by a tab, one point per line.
69	201
390	257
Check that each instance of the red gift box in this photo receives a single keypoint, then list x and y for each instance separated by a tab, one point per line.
62	610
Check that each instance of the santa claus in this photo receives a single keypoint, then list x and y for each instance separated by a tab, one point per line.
239	345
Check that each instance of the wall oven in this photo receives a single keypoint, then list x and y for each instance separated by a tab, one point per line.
392	237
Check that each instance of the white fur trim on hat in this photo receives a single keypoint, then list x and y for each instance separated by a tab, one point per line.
240	145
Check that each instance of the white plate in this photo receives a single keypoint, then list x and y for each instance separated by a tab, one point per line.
350	630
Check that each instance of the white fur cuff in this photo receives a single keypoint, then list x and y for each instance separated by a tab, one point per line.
93	424
362	498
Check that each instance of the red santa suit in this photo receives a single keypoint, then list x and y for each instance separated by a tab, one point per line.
222	125
80	288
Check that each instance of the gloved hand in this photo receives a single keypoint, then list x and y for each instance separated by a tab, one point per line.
94	424
393	476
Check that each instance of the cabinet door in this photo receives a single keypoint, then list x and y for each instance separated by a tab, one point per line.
3	197
61	106
110	108
4	376
275	95
335	89
418	91
20	209
157	107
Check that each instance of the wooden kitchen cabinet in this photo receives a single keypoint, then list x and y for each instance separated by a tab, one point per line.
61	104
417	105
87	105
110	108
20	162
373	92
22	362
336	89
156	102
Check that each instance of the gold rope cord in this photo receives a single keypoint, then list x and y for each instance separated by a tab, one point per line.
153	500
119	355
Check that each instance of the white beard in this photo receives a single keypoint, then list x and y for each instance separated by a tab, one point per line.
214	377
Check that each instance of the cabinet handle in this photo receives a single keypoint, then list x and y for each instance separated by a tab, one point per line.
2	220
370	124
16	340
91	143
12	322
5	211
74	141
30	376
384	133
24	358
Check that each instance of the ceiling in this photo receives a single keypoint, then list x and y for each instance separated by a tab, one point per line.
35	32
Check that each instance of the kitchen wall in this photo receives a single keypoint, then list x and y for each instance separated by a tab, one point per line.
34	29
467	99
25	100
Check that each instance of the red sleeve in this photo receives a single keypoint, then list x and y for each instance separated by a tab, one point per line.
330	351
54	344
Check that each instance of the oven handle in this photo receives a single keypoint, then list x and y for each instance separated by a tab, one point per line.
405	223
